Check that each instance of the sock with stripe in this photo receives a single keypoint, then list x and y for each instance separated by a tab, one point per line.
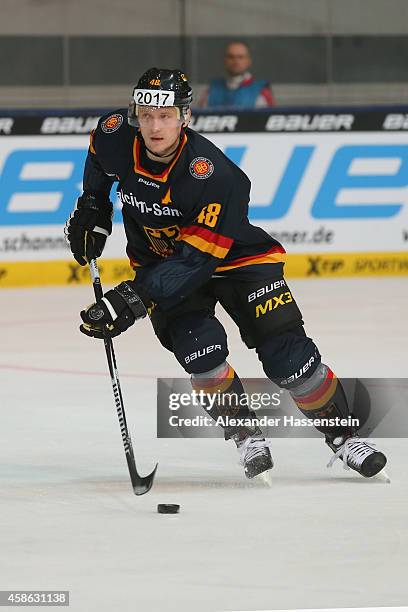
224	382
322	396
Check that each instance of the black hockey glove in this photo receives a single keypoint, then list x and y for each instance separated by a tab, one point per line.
114	313
88	227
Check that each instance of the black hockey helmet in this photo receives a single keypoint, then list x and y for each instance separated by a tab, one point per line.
161	87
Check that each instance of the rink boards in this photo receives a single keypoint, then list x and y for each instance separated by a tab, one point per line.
332	186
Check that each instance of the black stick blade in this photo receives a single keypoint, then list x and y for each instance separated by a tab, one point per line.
143	484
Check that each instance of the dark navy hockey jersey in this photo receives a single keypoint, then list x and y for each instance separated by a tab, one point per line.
185	221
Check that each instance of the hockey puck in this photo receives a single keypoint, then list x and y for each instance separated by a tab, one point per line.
168	508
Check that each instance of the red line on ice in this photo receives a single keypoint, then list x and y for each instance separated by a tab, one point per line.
5	366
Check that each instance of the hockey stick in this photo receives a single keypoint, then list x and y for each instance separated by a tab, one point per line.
140	484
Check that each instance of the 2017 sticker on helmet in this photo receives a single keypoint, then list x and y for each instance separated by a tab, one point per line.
148	97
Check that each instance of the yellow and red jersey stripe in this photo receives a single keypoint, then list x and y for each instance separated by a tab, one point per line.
274	255
206	241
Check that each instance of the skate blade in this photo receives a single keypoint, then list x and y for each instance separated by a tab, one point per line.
265	478
383	476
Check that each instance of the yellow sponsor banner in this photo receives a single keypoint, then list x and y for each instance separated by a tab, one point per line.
61	272
113	271
333	265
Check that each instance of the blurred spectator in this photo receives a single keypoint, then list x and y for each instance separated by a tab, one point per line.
239	89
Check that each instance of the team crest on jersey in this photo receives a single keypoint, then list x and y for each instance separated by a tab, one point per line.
111	124
201	168
162	239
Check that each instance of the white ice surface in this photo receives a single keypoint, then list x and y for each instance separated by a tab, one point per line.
69	520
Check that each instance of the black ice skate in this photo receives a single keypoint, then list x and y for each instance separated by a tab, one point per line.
255	455
357	455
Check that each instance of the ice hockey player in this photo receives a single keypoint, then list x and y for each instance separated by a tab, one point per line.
189	240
